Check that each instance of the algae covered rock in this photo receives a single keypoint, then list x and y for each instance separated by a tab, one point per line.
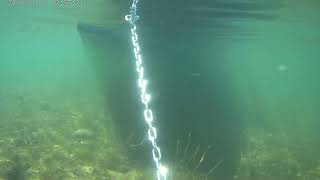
82	134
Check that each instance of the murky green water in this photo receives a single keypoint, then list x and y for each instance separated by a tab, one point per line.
235	90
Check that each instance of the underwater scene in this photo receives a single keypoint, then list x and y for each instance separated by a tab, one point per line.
154	90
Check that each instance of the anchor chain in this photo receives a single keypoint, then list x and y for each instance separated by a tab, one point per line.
131	18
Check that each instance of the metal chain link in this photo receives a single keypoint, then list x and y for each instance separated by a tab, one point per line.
131	18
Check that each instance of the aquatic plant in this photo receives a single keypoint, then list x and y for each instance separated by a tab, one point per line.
189	160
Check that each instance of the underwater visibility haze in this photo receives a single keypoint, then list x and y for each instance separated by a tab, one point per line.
234	90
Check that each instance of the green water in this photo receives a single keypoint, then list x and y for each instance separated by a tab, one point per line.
246	85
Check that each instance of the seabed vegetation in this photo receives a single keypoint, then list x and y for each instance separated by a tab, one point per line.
275	156
55	141
73	139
